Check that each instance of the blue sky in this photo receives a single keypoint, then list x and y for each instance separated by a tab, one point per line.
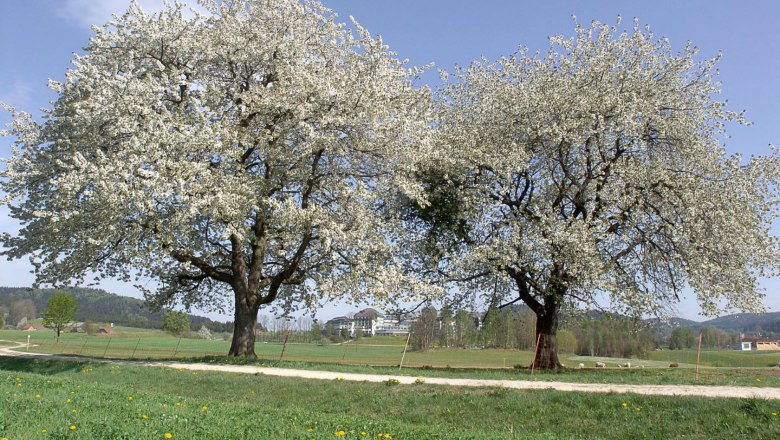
38	37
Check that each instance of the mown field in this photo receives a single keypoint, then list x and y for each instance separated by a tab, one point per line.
369	356
63	399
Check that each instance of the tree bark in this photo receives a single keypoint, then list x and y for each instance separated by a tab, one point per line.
546	331
244	328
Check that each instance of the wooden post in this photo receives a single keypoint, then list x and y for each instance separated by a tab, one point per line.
176	350
536	352
83	345
698	355
107	344
284	347
136	347
405	346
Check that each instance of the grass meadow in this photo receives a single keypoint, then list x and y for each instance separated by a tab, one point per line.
383	355
88	400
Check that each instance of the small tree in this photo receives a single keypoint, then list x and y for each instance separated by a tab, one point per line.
90	327
61	310
316	332
176	322
21	309
204	333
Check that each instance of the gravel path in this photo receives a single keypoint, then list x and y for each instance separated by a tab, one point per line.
664	390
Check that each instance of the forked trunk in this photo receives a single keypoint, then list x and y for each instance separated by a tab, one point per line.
244	328
546	331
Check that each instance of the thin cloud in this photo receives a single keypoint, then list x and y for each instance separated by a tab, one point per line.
85	13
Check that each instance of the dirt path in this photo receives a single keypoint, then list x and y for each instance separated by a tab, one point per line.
664	390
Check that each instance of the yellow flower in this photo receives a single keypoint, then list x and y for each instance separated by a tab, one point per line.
639	408
37	396
144	417
758	380
4	438
178	403
129	397
73	411
68	401
774	414
168	435
362	433
387	435
310	430
625	405
43	431
340	433
204	408
72	427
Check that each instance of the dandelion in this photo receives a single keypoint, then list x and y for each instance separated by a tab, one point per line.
144	417
639	408
204	408
73	411
178	403
340	433
37	396
168	435
758	380
310	430
72	427
625	405
68	401
387	435
362	433
774	414
129	398
43	431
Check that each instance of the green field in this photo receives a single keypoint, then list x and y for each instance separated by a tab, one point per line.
369	356
102	401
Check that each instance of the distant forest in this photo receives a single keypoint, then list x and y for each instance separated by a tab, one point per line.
95	305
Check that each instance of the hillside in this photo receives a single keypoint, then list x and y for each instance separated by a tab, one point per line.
100	306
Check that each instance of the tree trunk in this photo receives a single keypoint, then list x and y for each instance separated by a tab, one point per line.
546	330
244	329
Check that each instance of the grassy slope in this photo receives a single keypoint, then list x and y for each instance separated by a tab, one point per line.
241	407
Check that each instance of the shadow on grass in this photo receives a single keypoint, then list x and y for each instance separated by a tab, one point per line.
39	366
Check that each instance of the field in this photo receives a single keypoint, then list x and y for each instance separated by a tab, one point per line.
63	399
367	356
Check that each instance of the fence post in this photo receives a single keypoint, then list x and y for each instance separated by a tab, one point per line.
83	345
536	352
405	346
176	350
284	347
698	355
107	344
136	347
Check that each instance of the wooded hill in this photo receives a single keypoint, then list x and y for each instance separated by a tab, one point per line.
100	306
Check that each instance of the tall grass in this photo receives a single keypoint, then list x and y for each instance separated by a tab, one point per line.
103	401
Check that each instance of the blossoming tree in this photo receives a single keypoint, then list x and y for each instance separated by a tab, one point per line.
595	174
244	153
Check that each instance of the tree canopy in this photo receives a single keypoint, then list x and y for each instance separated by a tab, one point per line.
596	173
245	154
60	312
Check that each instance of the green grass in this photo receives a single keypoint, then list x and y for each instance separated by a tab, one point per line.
369	356
262	407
